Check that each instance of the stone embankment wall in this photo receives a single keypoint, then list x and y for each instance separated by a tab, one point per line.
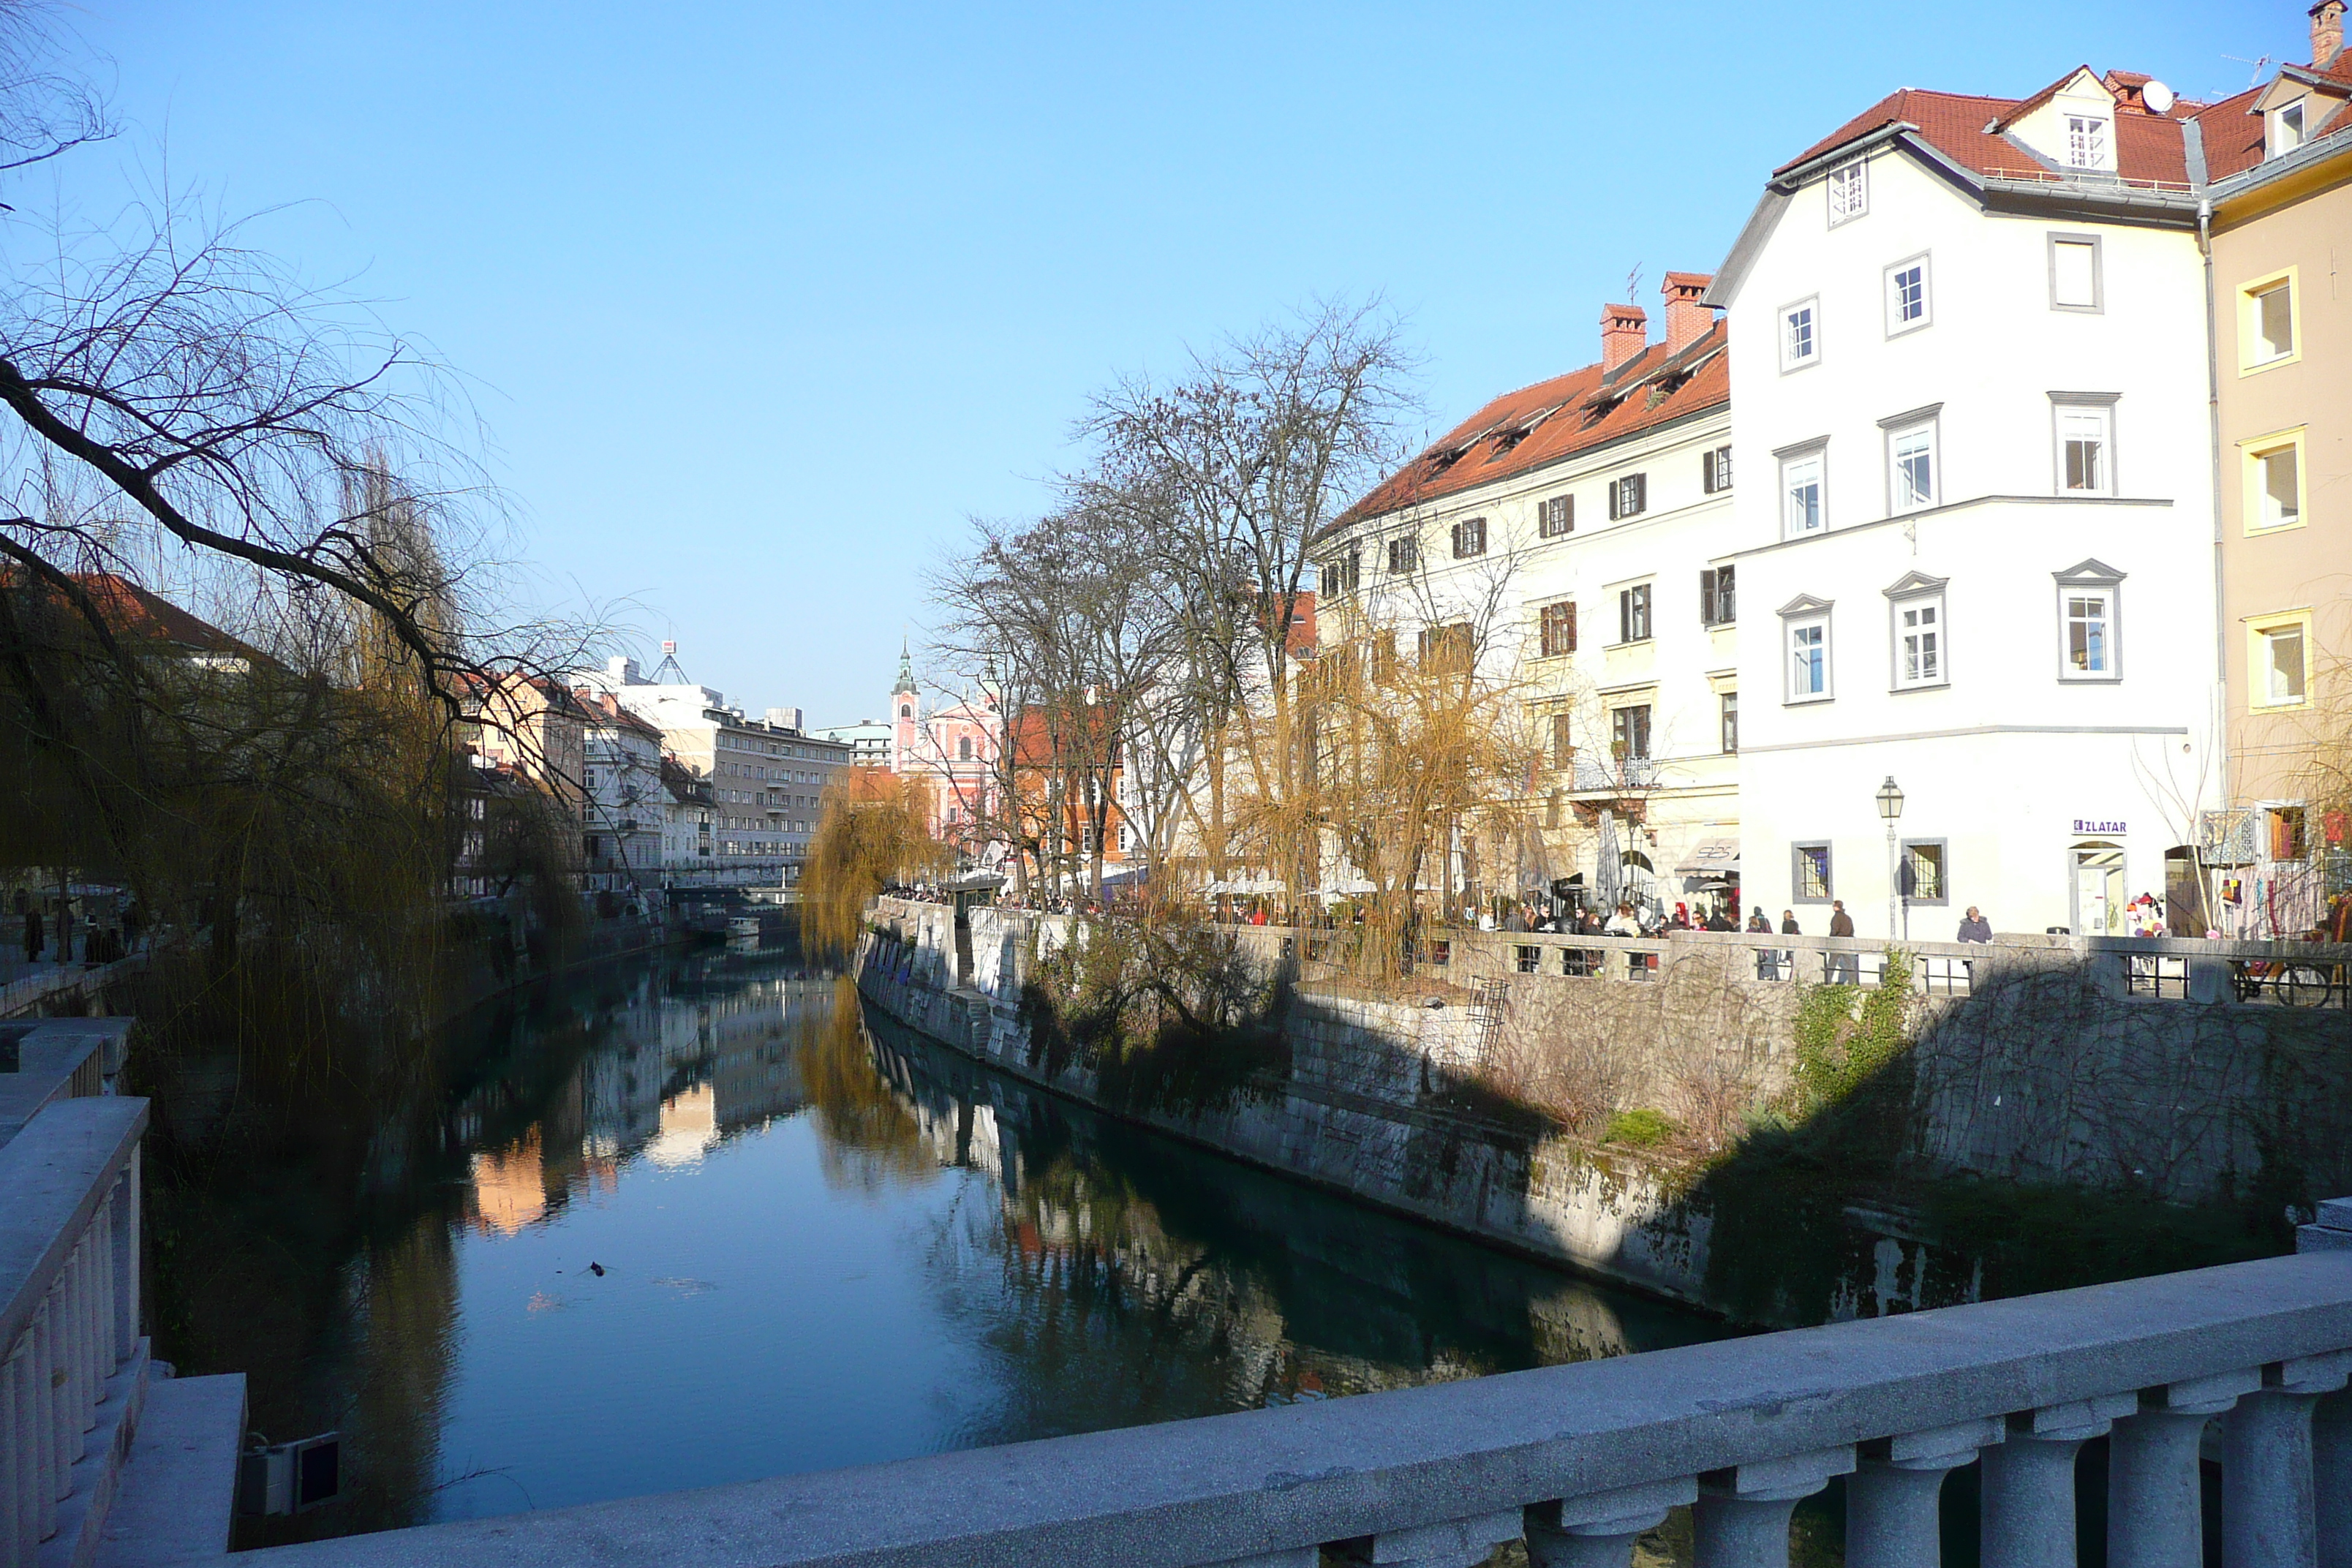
2034	1062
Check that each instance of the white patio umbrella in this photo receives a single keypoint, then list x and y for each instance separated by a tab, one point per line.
1608	871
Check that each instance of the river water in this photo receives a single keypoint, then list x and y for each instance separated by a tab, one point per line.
705	1219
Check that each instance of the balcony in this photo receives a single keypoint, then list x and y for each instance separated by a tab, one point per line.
1613	775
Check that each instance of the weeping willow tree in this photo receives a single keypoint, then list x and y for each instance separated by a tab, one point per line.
874	829
187	425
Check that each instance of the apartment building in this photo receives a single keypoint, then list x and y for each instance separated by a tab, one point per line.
1578	531
2280	237
1975	534
621	775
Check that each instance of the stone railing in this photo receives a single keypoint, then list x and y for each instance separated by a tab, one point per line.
72	1363
1578	1460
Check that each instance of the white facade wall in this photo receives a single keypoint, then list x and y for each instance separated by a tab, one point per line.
625	803
1681	672
2014	767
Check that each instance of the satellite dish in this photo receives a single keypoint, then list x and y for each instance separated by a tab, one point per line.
2157	96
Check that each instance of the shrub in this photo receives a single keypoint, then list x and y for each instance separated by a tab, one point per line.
1641	1128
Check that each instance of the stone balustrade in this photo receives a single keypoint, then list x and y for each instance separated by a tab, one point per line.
72	1363
1578	1460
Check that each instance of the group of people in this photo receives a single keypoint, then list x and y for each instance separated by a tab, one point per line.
50	927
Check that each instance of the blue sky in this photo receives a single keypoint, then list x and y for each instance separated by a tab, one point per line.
759	302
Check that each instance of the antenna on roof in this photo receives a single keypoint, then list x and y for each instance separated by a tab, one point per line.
669	668
1633	283
2255	79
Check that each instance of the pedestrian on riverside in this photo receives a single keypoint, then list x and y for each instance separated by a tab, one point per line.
1974	927
1757	920
1845	968
32	930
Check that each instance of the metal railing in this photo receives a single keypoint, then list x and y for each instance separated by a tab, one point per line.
71	1354
1578	1460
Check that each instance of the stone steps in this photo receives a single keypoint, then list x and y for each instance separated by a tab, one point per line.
177	1494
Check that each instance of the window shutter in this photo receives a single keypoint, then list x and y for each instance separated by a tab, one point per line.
1572	628
1706	592
1567	514
1616	488
1641	493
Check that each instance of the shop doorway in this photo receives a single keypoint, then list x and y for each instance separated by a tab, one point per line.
2099	895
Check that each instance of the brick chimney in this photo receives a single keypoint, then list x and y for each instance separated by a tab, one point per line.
1687	320
1625	332
2326	31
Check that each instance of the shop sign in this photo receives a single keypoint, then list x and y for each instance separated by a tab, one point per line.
2098	824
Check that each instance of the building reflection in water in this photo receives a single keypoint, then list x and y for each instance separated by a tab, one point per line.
1048	1271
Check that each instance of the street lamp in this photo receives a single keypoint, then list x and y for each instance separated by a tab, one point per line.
1890	807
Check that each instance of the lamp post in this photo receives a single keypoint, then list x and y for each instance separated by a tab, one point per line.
1890	807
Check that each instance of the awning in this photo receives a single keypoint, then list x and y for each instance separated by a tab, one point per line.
1713	857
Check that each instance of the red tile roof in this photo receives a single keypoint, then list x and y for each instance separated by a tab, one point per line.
131	612
2233	137
1556	419
2148	147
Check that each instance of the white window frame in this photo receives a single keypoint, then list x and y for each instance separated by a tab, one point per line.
1791	460
1806	613
2251	295
1797	859
1900	431
1895	325
2090	142
2080	403
2283	142
1915	592
2258	452
1791	360
2099	303
2260	629
1847	192
2086	579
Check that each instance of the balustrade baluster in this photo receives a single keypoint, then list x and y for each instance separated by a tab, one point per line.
2155	1500
1742	1515
101	1306
1598	1530
2331	1479
44	1436
17	1510
2029	1481
1452	1543
1891	1504
2268	1515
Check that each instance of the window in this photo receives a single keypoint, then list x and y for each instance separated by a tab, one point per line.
2286	834
1919	641
1921	878
1730	722
2288	129
1446	648
1906	295
1633	614
1629	496
1849	192
1469	538
2074	272
1404	555
1805	622
2086	141
1911	466
2274	481
1800	340
1563	743
964	748
1715	470
1802	489
2085	442
1557	626
1341	574
1629	733
2267	322
1809	874
2281	649
2089	608
1718	600
1555	516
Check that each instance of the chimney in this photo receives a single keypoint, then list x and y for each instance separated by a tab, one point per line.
1687	317
1625	332
2326	31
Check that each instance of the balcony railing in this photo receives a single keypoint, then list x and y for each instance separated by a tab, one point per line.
1595	773
1578	1460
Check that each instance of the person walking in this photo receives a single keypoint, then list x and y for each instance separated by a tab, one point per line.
1974	927
32	933
1845	968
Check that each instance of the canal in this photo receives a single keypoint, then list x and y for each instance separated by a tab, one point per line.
704	1219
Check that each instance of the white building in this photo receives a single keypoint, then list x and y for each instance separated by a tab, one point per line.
1592	511
1976	518
622	778
766	776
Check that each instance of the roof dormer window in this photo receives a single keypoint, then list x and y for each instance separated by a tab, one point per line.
2086	141
2289	130
1849	192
